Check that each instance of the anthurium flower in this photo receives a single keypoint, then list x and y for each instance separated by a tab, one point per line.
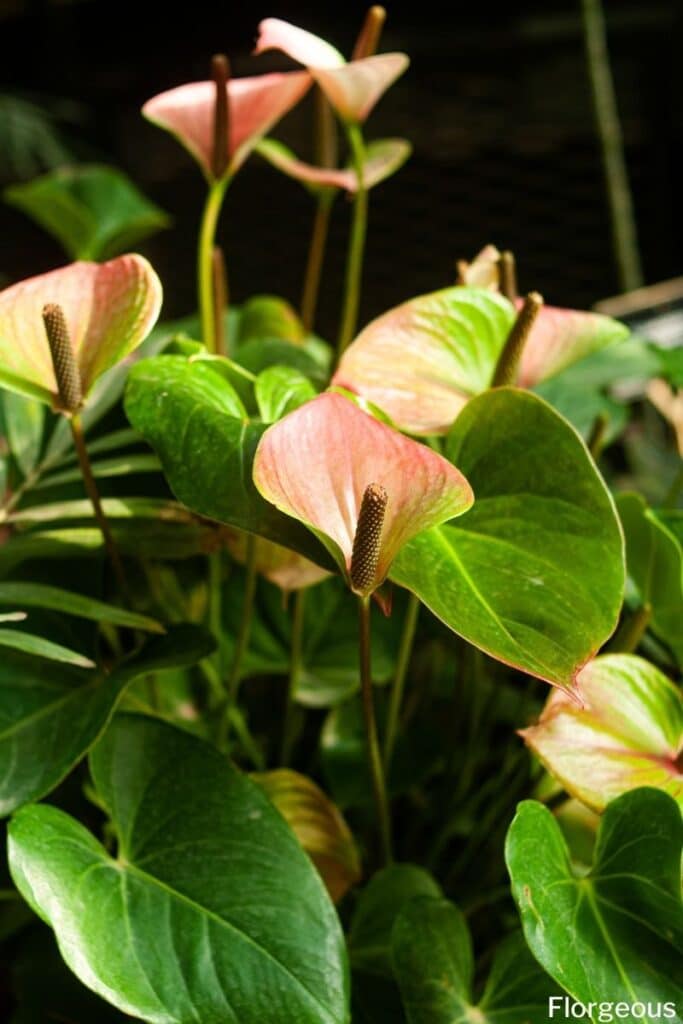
422	361
352	88
382	159
286	569
360	486
254	106
108	308
628	733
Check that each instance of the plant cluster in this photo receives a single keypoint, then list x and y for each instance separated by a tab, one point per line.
350	689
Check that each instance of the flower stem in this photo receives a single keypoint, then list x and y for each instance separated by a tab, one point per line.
205	263
241	643
395	701
314	262
629	635
624	232
94	495
354	261
372	741
295	661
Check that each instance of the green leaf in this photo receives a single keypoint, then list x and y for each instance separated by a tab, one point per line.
269	316
615	934
187	412
39	595
24	419
260	354
211	911
281	389
379	906
120	465
94	211
50	715
434	967
533	574
654	559
37	645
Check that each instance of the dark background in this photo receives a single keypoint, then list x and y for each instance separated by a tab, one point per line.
496	103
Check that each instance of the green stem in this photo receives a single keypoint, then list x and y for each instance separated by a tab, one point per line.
371	738
94	495
671	499
241	643
629	635
205	262
295	663
396	700
354	260
624	234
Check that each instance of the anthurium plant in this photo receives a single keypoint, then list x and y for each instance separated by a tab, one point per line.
340	676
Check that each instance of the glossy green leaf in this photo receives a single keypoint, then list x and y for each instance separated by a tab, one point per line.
533	574
615	934
434	967
261	353
281	389
187	412
39	595
94	211
627	733
654	560
16	640
211	911
50	715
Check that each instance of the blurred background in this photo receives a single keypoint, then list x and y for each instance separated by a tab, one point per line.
496	103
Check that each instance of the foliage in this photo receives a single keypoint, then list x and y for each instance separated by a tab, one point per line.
296	631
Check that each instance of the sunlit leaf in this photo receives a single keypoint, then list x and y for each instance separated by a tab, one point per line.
281	389
533	574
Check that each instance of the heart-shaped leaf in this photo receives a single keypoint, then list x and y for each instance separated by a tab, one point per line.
628	733
533	574
192	418
211	911
264	317
95	211
317	824
434	968
615	934
50	715
422	361
110	309
654	559
281	389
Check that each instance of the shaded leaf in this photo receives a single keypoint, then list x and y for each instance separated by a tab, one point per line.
50	715
317	824
39	595
94	211
181	938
